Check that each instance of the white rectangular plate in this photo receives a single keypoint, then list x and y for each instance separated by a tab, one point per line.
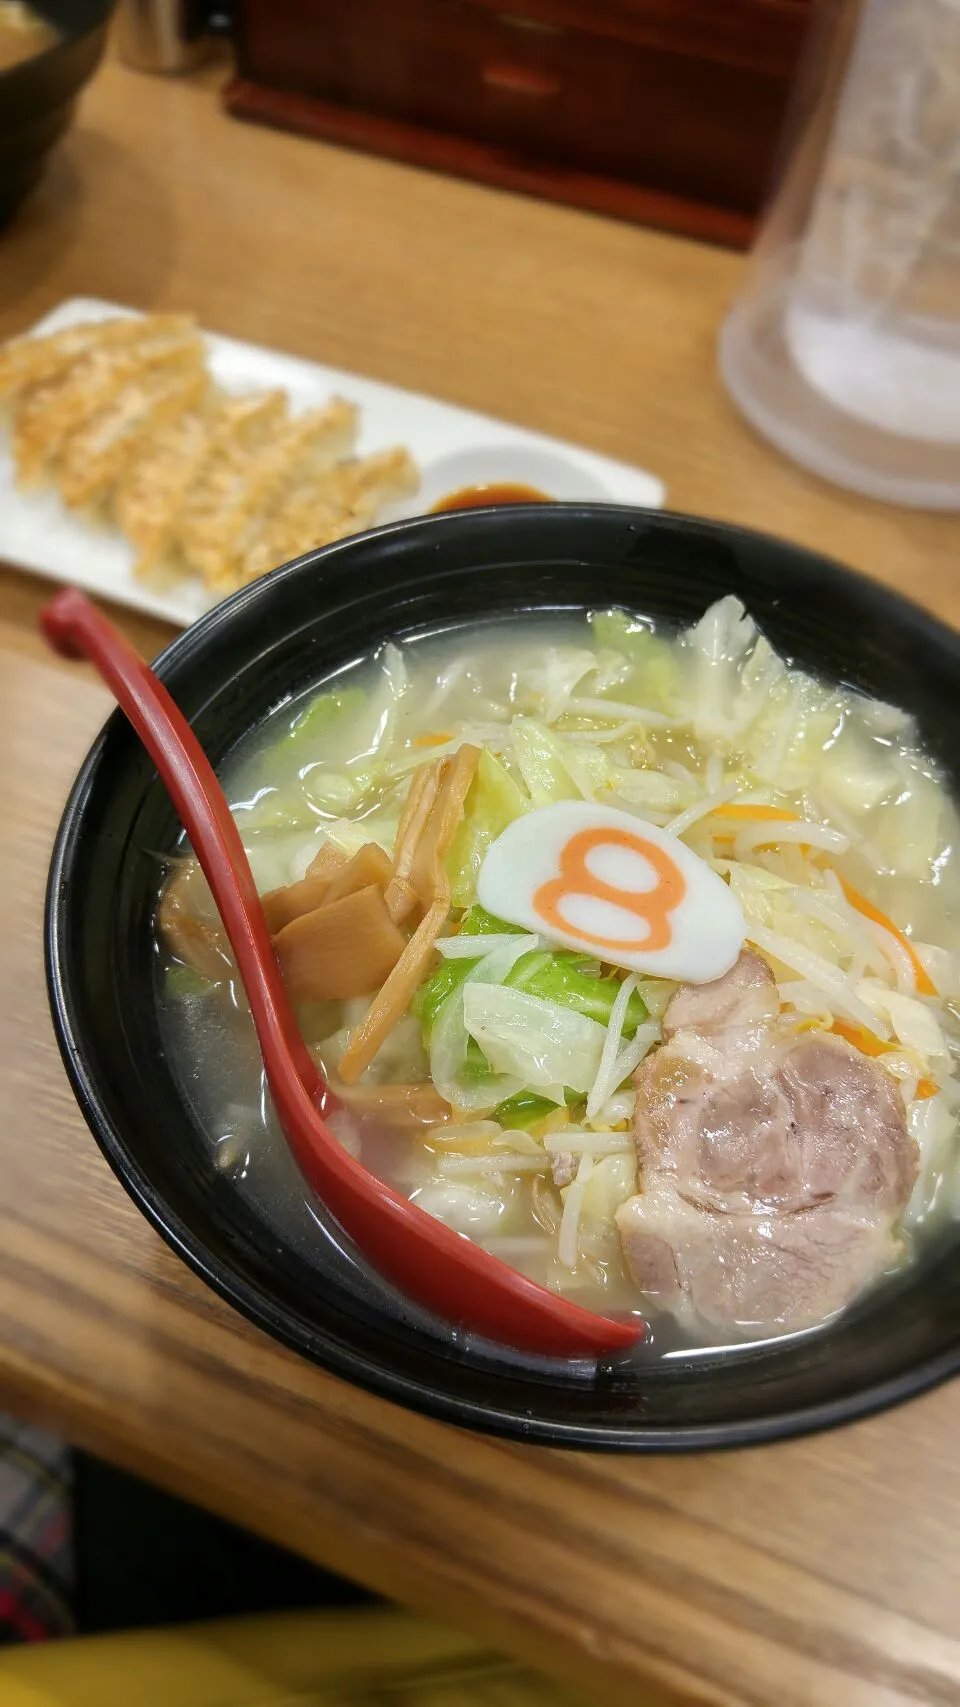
453	448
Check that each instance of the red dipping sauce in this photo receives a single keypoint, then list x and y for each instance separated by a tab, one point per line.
478	497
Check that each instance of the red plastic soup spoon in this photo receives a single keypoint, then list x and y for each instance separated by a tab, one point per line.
434	1265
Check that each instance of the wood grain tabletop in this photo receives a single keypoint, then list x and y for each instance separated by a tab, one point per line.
822	1573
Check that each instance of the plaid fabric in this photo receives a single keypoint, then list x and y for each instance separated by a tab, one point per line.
36	1544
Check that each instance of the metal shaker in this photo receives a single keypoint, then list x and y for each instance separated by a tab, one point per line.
165	36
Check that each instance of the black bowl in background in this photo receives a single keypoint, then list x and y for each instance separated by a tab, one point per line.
37	97
282	634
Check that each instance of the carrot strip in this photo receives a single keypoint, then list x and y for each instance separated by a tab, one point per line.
866	1041
869	1043
925	984
778	813
433	740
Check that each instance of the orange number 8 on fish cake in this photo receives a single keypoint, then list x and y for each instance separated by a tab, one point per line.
654	905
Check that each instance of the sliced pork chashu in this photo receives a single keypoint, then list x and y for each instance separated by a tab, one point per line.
773	1167
751	1273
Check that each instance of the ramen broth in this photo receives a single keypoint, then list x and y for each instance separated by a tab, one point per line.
608	709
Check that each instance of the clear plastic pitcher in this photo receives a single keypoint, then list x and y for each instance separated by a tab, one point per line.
844	346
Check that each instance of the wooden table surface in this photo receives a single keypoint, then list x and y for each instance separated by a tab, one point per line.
823	1573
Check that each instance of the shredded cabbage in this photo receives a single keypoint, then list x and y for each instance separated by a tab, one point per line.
546	690
716	646
560	977
555	767
654	675
538	754
612	1180
815	920
855	774
374	729
183	981
493	802
478	927
274	811
907	830
652	790
785	744
539	1042
469	947
450	1041
315	721
912	1021
449	1069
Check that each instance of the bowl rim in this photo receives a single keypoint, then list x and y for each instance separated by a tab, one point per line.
284	1324
66	38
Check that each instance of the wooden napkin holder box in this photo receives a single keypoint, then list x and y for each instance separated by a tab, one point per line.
662	111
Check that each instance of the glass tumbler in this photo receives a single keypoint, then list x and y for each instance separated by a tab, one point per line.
843	347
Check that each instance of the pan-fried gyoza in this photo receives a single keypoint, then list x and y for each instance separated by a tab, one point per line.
124	417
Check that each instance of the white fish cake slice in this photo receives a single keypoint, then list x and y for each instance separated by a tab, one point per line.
244	425
341	503
32	360
94	458
50	412
302	451
599	881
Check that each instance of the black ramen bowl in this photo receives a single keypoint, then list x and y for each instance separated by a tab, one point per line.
279	636
37	97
